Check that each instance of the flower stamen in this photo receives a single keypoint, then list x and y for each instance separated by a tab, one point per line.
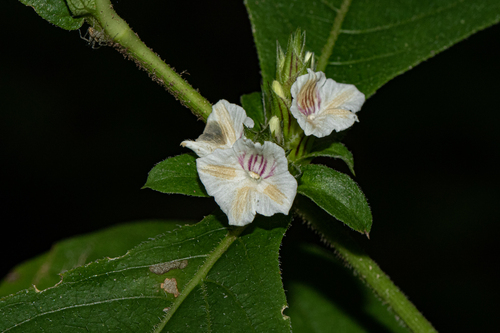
254	175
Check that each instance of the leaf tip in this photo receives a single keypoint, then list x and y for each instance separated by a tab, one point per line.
367	234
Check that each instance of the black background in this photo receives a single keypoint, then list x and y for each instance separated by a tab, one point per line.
81	128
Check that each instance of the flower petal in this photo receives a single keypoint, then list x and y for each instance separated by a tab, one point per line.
226	181
250	178
224	127
322	105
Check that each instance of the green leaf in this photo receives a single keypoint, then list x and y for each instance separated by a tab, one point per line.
325	296
363	42
252	103
335	150
43	271
81	7
56	12
176	175
337	194
220	277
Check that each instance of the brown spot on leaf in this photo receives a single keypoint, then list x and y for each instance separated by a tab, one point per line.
170	286
164	267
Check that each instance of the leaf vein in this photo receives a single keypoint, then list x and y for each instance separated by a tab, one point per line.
403	22
329	5
356	61
78	306
327	50
203	287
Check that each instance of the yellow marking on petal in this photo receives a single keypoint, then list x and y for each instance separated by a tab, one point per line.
219	171
276	195
225	123
341	99
340	113
242	202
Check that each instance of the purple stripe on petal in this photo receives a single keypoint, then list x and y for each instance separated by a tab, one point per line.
250	163
271	172
263	168
241	159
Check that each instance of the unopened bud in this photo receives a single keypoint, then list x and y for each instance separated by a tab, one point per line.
308	56
280	55
309	60
278	89
276	131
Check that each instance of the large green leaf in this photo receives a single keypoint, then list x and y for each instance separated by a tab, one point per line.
176	175
337	194
325	298
366	42
215	281
56	12
43	271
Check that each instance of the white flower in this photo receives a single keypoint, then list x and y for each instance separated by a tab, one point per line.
224	127
322	105
250	178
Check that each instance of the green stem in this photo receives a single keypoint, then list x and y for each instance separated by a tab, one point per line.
129	43
201	273
337	236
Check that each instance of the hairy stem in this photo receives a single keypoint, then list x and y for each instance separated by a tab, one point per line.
129	43
367	269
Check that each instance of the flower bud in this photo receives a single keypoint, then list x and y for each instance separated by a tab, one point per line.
276	131
278	89
294	62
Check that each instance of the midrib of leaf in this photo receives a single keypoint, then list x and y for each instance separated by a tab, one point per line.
202	272
327	50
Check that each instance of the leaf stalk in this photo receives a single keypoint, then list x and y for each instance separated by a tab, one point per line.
367	269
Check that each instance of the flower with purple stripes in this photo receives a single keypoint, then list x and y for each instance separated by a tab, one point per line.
250	178
322	105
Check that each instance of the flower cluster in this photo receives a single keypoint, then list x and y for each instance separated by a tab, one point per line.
245	177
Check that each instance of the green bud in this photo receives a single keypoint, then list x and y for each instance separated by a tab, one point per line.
294	62
309	60
280	58
278	89
276	130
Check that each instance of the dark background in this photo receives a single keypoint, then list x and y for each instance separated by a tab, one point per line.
81	128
